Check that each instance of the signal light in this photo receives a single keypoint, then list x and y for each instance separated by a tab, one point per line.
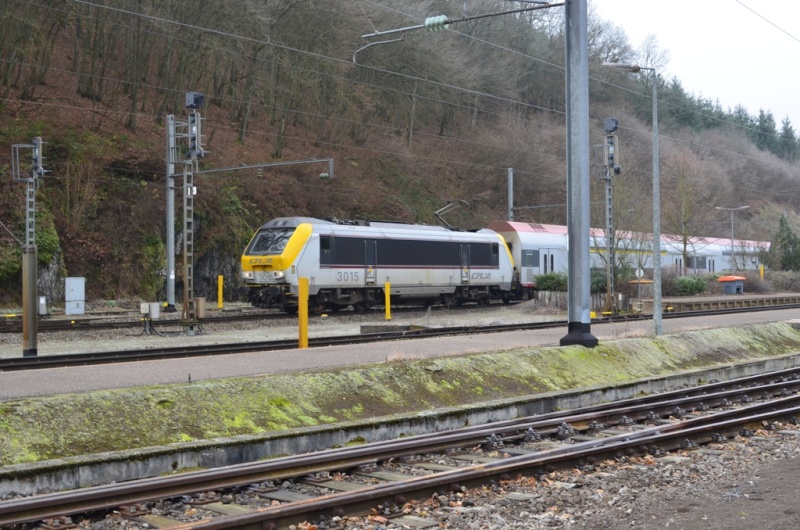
195	150
37	170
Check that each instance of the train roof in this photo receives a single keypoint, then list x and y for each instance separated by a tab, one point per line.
673	240
293	222
336	227
535	228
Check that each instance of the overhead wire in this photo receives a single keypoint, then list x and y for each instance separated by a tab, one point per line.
401	74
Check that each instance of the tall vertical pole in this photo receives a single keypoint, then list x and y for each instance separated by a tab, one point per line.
609	169
577	88
733	245
510	194
609	242
29	272
170	235
188	243
194	100
29	318
732	249
657	310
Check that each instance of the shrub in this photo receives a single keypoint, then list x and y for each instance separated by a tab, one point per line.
552	281
597	278
690	285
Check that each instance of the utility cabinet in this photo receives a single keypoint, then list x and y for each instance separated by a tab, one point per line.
732	284
75	296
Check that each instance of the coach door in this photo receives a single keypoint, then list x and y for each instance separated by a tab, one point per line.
370	261
464	263
548	260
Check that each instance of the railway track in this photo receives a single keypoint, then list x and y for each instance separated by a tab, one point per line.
131	355
12	323
130	320
383	476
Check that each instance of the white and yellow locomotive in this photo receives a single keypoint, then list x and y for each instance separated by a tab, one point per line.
348	263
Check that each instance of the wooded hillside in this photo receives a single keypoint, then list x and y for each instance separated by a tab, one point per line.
413	124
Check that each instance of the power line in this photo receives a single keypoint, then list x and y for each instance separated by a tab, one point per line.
765	19
323	57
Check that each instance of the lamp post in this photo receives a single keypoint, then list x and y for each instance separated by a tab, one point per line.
732	210
657	310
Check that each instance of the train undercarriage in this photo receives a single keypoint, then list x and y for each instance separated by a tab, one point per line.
280	297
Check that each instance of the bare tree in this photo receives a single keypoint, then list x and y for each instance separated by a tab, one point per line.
686	212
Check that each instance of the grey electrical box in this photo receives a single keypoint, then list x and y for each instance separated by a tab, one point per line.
200	307
610	125
74	296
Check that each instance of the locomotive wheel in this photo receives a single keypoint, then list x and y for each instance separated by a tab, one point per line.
317	308
362	307
449	301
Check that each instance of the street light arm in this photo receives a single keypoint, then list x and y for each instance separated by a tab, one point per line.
541	5
657	309
630	68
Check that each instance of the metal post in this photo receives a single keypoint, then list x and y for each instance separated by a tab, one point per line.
510	194
170	233
387	293
29	274
609	169
733	247
657	310
188	244
302	312
732	240
29	319
609	244
29	271
577	96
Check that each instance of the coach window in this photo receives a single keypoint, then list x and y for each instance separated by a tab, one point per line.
530	258
325	254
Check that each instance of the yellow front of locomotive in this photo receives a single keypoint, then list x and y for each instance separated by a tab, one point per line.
269	264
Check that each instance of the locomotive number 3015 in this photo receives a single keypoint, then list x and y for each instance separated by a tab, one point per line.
345	276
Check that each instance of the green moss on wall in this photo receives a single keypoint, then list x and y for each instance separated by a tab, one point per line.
61	426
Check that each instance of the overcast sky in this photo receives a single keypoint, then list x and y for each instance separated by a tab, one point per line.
737	52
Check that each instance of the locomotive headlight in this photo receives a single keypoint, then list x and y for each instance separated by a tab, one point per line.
277	275
248	275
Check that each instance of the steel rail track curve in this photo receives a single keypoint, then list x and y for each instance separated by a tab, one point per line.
664	431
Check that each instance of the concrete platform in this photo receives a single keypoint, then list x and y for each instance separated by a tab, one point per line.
731	301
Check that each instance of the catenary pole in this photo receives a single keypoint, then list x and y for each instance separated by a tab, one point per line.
577	60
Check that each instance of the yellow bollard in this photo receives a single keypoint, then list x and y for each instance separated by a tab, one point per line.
302	311
219	291
761	271
387	290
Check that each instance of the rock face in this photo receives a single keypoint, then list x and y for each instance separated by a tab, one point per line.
50	280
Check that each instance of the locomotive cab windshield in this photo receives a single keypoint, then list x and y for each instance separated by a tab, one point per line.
270	241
